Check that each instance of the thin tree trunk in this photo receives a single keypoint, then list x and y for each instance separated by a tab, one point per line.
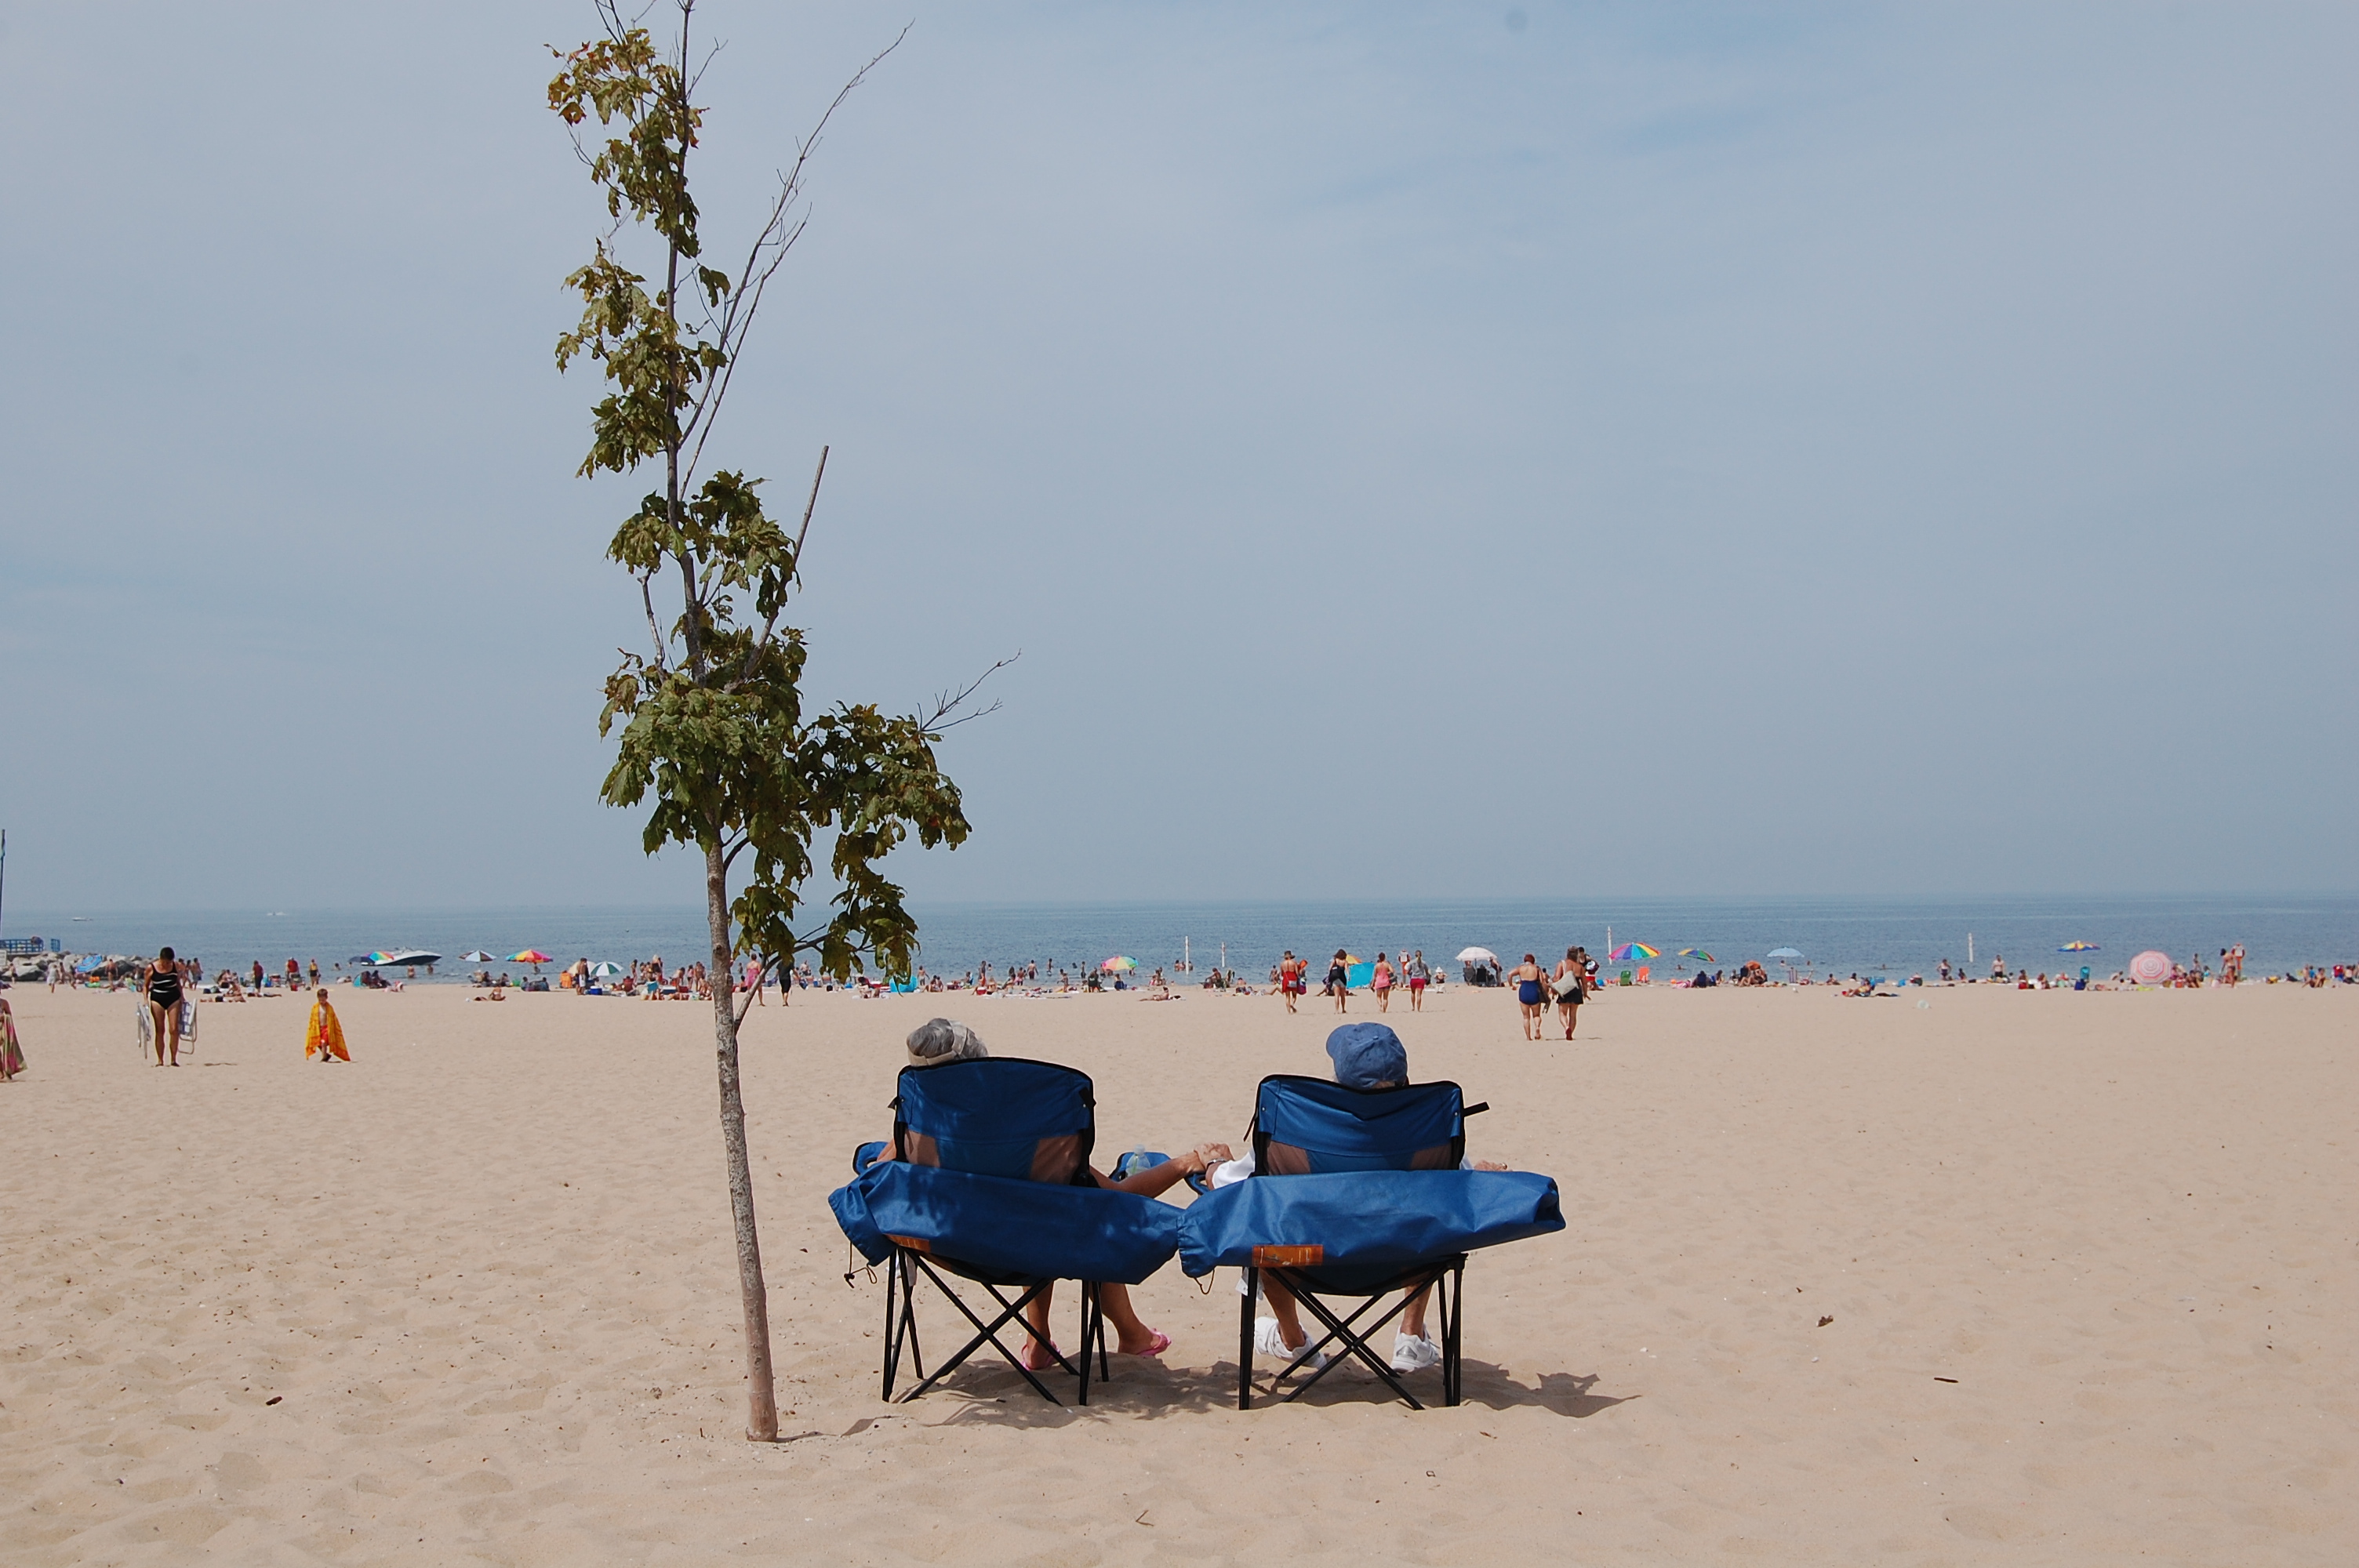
761	1395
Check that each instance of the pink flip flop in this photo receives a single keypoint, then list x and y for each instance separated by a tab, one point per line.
1162	1342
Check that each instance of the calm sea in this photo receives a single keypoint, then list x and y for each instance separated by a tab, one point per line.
1838	935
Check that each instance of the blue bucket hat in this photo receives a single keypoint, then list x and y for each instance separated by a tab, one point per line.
1367	1054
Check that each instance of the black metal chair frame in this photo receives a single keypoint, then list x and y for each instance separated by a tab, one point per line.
1446	1276
901	1272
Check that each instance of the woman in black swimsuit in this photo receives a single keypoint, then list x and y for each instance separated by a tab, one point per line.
1339	980
163	993
1566	983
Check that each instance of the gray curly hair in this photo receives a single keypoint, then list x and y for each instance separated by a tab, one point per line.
941	1040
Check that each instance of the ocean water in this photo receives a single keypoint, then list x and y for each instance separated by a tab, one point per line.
1836	935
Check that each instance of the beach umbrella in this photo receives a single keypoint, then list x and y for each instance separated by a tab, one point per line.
2077	948
1783	953
477	957
2150	968
1629	950
1478	956
1699	953
605	971
530	956
1118	963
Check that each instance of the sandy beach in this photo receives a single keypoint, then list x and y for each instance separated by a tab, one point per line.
2026	1276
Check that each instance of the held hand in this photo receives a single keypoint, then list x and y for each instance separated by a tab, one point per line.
1208	1155
1489	1166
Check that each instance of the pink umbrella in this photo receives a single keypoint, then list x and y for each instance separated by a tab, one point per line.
2150	968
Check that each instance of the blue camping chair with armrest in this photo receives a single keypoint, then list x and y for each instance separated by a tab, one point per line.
1356	1193
989	1181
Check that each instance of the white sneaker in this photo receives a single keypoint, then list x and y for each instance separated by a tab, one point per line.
1269	1341
1415	1353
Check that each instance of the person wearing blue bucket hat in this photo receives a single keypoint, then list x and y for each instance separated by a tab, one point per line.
1367	1057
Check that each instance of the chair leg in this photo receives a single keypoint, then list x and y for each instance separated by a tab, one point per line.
892	1325
1105	1370
1245	1342
900	1320
1454	1335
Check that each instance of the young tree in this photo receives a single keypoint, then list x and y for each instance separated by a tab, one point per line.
714	724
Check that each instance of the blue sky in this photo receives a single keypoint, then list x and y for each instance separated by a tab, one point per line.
1653	450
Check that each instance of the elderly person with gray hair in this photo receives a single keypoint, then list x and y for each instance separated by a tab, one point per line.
939	1041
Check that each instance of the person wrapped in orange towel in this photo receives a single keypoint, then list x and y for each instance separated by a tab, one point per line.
324	1037
12	1060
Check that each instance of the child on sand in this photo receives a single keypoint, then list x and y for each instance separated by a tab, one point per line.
12	1060
324	1036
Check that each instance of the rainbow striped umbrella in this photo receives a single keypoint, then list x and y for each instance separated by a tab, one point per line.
1699	953
2077	948
1629	950
530	956
1118	963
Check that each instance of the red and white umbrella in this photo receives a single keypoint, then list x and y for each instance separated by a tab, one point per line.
2150	968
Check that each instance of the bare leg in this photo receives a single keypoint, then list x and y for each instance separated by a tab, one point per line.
1413	1319
156	1016
1132	1337
1033	1352
1281	1307
172	1020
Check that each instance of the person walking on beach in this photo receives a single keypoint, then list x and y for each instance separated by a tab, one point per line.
324	1036
1338	978
1531	994
162	992
1291	983
1568	981
1381	981
12	1059
1419	975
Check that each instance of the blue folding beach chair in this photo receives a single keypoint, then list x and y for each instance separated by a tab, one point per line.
1356	1193
990	1182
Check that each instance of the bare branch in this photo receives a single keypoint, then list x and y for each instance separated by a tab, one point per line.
763	258
648	599
947	703
762	638
804	532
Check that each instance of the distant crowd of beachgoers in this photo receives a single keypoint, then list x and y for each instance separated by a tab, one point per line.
1577	975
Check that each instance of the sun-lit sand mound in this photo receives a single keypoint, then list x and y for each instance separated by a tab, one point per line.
2033	1277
